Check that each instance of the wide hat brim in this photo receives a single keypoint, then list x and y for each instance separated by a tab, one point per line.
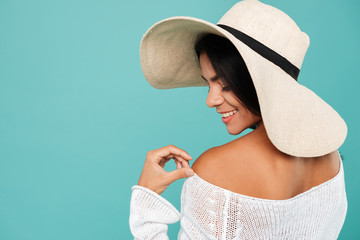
297	121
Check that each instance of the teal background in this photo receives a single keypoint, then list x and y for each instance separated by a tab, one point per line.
77	116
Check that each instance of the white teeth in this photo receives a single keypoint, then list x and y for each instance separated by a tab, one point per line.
225	115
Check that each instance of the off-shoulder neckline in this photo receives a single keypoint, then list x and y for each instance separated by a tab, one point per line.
300	195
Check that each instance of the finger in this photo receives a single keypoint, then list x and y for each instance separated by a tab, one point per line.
167	158
171	150
183	161
178	174
178	164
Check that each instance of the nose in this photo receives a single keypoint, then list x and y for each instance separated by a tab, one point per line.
214	98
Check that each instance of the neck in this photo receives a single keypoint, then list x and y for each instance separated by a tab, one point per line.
260	131
259	136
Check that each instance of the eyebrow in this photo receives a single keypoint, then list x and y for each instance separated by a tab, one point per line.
213	79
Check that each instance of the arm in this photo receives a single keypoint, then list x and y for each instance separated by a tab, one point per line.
150	213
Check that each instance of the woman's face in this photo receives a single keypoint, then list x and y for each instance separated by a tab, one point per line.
235	115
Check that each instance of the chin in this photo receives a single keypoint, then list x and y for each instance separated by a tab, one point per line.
235	131
239	129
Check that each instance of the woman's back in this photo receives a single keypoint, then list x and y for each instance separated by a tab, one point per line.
212	212
247	189
252	166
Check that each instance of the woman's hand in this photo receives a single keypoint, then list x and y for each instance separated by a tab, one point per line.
153	175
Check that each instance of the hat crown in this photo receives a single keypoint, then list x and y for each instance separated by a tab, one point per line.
271	27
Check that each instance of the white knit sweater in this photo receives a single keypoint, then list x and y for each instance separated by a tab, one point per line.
211	212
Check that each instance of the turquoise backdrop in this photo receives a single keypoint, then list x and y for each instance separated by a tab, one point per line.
77	116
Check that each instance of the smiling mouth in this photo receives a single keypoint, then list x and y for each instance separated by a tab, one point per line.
228	114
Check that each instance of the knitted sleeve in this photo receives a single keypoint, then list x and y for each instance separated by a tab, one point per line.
150	213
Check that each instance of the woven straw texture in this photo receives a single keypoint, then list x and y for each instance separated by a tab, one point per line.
297	121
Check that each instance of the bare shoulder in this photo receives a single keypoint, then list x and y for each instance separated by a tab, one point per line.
208	162
326	167
257	170
219	164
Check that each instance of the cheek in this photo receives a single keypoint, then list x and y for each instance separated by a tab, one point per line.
234	101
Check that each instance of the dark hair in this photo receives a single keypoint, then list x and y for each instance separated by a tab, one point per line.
230	66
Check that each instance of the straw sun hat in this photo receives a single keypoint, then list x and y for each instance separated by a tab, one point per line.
297	121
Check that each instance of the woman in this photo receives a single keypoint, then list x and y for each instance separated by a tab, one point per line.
283	180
